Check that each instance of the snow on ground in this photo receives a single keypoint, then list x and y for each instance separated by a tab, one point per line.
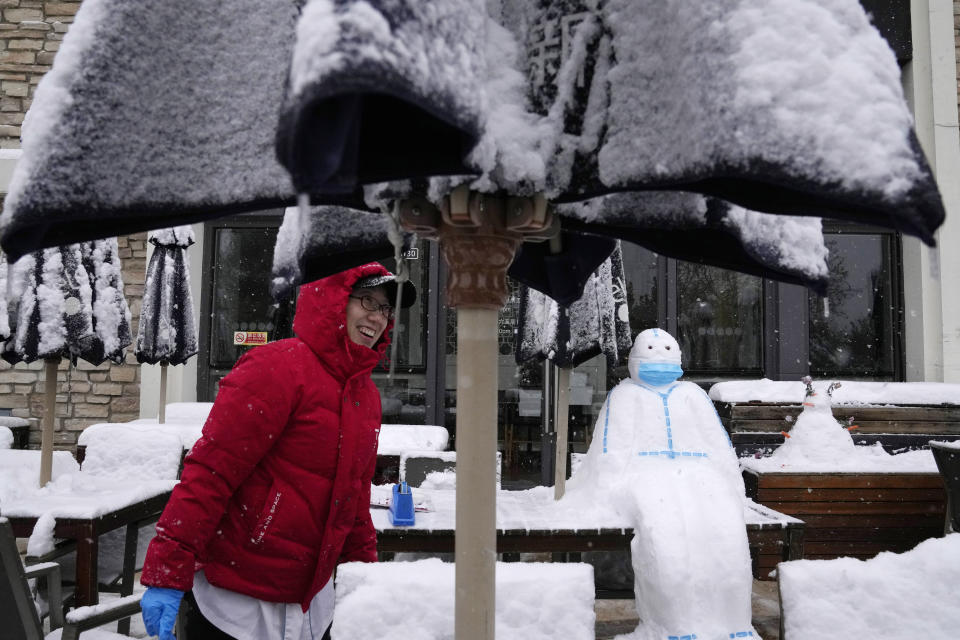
534	601
890	597
850	392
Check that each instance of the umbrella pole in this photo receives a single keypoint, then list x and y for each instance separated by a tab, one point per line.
163	392
562	407
479	236
476	537
49	414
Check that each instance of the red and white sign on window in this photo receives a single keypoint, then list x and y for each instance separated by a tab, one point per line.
249	338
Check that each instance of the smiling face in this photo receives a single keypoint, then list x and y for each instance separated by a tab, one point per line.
365	327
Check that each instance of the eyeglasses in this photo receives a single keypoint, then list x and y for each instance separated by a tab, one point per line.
370	304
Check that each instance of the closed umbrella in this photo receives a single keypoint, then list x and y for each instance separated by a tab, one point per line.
597	323
167	333
59	309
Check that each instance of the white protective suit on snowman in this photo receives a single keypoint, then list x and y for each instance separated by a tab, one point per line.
661	454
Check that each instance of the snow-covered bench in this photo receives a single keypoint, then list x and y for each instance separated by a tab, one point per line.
899	415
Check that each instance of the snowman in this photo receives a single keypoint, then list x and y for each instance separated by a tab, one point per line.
661	455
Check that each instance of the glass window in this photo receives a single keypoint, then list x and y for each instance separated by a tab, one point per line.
854	328
403	396
641	268
241	290
719	319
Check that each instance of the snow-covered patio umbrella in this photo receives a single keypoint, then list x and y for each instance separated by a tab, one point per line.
597	323
167	333
66	302
784	107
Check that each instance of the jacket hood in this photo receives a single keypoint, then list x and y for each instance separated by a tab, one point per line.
320	321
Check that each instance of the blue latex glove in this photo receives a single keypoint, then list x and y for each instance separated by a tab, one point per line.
160	608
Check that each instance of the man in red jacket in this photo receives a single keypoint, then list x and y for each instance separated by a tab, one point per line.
276	492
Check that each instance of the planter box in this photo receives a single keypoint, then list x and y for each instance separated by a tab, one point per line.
855	514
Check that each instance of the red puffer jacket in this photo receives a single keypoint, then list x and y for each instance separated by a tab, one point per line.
277	490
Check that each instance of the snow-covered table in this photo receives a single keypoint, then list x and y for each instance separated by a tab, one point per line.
82	513
531	521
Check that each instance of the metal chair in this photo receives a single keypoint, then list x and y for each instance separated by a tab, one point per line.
21	621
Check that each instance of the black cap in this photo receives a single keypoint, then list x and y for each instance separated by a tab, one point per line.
389	283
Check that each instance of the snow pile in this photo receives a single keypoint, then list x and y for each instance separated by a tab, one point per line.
20	473
534	601
115	451
6	437
440	480
186	431
890	597
398	438
851	392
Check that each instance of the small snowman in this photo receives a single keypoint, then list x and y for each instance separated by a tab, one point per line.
816	435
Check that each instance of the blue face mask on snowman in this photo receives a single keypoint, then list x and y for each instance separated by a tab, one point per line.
658	374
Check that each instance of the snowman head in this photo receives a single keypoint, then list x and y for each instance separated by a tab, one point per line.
655	358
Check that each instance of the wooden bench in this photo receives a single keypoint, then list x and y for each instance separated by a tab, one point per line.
855	514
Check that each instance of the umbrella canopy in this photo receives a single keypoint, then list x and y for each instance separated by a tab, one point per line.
67	302
167	332
780	107
596	323
318	241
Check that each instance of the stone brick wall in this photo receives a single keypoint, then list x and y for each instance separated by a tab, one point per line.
30	34
85	394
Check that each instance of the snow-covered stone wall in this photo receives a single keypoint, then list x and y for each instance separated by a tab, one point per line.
30	34
85	394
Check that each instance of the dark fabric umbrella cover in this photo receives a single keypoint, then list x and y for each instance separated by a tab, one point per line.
167	332
595	323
